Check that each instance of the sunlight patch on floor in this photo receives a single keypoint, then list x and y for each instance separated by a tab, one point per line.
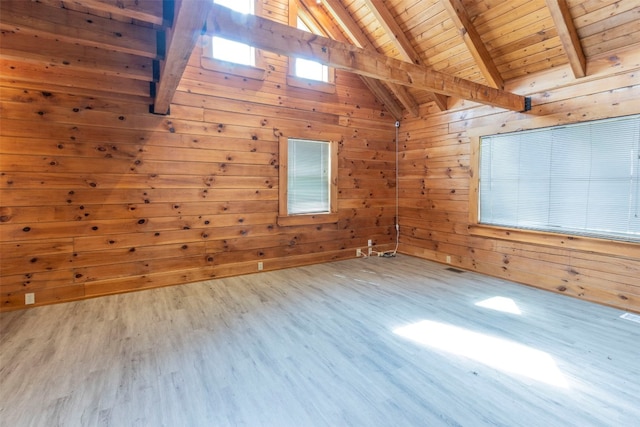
506	305
498	353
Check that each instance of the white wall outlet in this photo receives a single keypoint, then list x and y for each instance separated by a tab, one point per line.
369	242
30	298
448	259
358	252
260	266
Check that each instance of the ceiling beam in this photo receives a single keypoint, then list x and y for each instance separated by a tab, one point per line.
383	96
400	41
358	37
312	11
474	43
393	30
282	39
568	36
347	24
188	23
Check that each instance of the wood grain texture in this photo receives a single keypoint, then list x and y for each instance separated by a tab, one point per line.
58	23
319	346
337	16
568	35
182	36
438	185
100	196
476	46
279	38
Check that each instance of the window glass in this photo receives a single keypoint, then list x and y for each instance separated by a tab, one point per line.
578	179
308	69
242	6
231	51
309	175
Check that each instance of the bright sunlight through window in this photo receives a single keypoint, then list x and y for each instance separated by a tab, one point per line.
498	353
506	305
230	51
307	69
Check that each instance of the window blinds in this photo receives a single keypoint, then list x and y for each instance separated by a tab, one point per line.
578	179
308	176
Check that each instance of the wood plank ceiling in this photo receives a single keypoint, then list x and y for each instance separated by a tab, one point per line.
123	48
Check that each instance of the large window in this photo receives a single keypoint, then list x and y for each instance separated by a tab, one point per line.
231	51
578	179
308	181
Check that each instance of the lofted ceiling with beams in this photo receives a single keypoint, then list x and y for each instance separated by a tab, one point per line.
486	42
493	41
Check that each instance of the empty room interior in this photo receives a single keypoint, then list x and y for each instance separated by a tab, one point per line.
319	213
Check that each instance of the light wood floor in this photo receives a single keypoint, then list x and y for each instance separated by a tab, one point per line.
367	342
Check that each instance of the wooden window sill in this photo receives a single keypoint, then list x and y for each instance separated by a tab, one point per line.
311	84
308	219
240	70
556	240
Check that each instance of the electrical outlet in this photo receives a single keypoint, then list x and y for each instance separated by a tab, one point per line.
369	242
30	298
260	266
358	252
448	259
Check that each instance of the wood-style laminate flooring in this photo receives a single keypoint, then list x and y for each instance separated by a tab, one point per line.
365	342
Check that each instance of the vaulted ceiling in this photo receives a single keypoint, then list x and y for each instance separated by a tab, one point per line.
124	47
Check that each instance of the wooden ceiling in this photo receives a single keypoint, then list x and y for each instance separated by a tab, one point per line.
112	46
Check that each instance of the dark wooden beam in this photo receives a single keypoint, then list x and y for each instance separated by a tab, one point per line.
188	24
282	39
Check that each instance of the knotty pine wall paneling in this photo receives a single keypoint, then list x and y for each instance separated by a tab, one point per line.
435	184
100	197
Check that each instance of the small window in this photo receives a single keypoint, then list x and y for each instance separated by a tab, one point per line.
306	73
309	177
308	180
580	179
312	70
307	69
230	57
231	51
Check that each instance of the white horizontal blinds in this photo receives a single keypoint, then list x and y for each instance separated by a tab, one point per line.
580	179
308	176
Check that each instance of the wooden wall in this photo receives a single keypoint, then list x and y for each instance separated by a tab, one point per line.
435	184
99	196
